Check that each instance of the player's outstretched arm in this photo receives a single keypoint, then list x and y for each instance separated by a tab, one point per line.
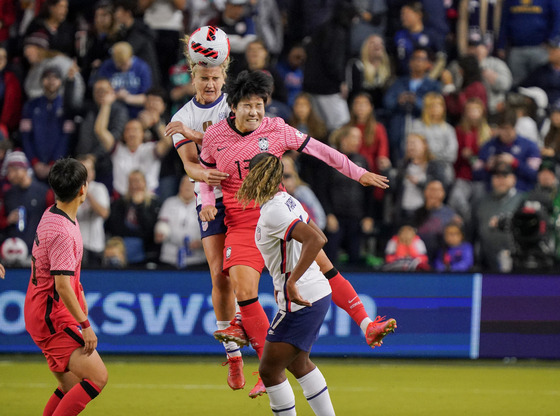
176	127
70	300
373	179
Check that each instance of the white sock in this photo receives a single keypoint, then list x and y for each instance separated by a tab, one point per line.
364	324
316	392
282	399
232	349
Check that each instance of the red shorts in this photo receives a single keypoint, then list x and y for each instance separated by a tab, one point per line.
58	347
240	249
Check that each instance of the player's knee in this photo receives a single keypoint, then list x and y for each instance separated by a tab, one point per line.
101	379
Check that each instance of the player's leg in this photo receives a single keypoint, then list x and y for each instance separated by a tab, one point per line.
223	301
276	357
65	382
92	372
313	384
345	297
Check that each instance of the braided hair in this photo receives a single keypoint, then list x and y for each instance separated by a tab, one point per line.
263	180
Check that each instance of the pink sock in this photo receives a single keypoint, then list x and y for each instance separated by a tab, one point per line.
77	398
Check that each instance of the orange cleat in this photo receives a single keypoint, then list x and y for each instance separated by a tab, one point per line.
258	390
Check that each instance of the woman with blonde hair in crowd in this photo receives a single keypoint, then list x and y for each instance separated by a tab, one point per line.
472	132
440	135
372	72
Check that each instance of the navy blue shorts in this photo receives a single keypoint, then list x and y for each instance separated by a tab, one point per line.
215	226
299	328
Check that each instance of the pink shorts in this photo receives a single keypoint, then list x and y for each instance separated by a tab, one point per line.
58	347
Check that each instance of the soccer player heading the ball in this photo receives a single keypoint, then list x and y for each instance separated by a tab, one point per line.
56	313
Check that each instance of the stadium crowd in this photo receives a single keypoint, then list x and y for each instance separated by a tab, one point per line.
456	101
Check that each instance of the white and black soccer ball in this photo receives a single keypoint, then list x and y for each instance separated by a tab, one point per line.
208	46
14	252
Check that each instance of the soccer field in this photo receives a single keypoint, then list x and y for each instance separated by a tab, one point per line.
148	385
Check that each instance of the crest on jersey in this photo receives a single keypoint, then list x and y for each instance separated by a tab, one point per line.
258	234
228	252
290	203
263	144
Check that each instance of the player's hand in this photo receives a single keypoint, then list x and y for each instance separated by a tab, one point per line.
373	179
90	340
214	177
176	127
294	295
2	271
208	213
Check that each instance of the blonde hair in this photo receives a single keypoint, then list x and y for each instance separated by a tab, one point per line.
427	154
375	75
430	99
484	130
121	52
263	180
193	65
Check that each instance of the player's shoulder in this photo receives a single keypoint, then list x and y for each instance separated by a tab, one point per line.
277	206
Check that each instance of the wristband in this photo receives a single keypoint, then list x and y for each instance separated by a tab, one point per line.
85	324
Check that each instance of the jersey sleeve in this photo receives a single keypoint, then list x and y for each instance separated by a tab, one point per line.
181	116
295	139
62	255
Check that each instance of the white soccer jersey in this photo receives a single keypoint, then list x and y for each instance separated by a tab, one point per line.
198	117
278	218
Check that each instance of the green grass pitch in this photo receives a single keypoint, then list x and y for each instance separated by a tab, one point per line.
148	385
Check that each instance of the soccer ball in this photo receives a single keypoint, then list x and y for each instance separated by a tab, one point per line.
208	46
14	252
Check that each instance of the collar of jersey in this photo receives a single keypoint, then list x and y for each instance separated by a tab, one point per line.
218	100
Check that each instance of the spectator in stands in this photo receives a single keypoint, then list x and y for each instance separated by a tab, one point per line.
132	153
25	201
133	217
177	229
371	72
291	71
525	28
520	153
114	255
104	104
8	17
346	223
530	106
45	129
52	22
433	216
154	118
441	137
456	254
471	86
415	35
472	132
303	193
140	37
165	18
372	20
10	97
180	83
257	58
496	76
546	75
37	54
478	19
269	26
502	200
406	251
324	72
404	100
92	215
411	175
99	39
237	22
551	133
130	77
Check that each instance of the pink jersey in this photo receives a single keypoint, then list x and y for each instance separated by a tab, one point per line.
57	250
230	151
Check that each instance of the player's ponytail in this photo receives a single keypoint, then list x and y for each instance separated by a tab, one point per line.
263	180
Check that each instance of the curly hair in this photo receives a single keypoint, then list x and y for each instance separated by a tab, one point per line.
247	84
263	180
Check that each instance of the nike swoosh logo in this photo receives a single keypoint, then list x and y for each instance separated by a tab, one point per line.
219	149
352	300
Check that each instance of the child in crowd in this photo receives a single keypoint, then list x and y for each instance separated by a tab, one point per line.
406	251
456	254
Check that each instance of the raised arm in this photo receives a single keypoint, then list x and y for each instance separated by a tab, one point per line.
101	126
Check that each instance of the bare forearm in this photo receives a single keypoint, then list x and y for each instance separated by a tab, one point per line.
100	128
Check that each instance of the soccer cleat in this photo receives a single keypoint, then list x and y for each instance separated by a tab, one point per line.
258	390
234	332
235	378
377	330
